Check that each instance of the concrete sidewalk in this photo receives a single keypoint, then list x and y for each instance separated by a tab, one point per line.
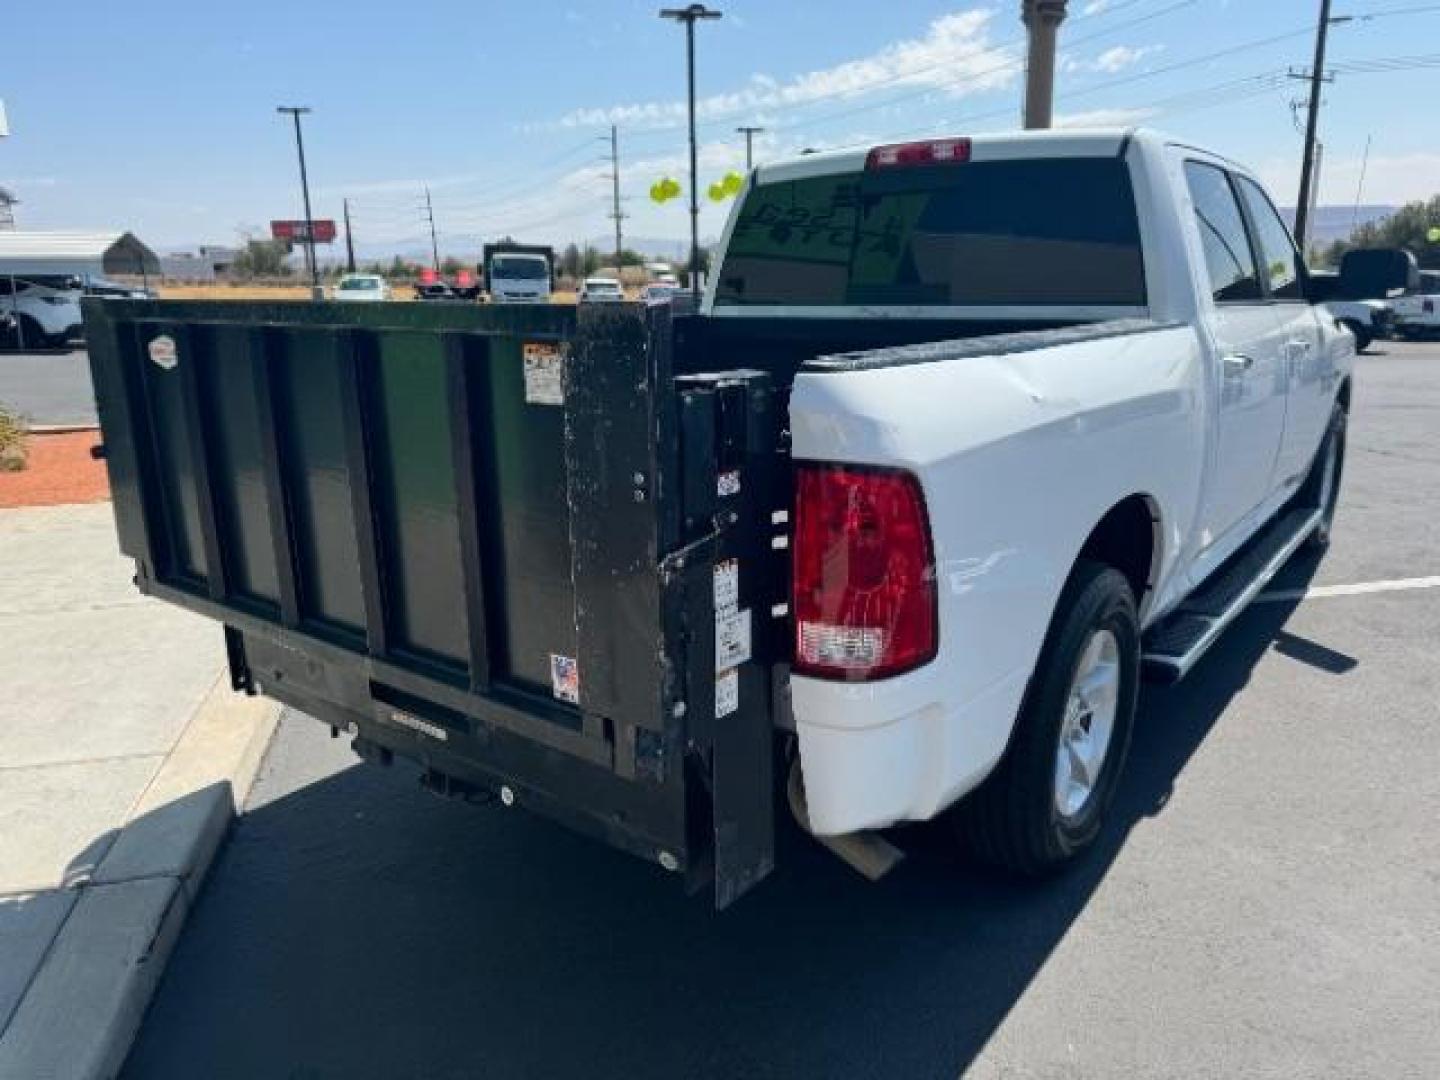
123	757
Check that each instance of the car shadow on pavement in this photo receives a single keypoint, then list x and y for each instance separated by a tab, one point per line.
356	927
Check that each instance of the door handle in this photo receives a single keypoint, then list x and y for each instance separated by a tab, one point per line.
1237	363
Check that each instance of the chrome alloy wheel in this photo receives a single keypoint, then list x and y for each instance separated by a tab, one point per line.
1088	723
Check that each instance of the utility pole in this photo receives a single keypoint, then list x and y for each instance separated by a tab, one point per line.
349	241
295	111
689	16
615	189
749	133
1312	124
430	217
1042	18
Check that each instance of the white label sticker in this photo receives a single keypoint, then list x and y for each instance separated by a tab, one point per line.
544	372
727	586
565	678
727	693
728	483
732	638
163	352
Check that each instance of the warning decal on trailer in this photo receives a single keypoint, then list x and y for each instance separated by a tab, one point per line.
727	693
565	678
544	373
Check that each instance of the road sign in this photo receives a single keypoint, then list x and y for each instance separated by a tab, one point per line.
296	231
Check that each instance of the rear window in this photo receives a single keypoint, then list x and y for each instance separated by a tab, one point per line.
1061	231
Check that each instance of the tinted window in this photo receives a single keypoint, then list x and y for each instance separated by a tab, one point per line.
519	268
1277	250
1222	232
1060	231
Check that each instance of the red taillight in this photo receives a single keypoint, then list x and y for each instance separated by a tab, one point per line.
864	573
930	152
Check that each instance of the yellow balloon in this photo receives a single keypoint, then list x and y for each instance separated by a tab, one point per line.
1434	234
732	183
717	192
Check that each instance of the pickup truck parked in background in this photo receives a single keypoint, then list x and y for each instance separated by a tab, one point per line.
965	437
1417	314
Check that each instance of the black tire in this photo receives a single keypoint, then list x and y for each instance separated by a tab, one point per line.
1320	491
1363	337
1012	819
32	334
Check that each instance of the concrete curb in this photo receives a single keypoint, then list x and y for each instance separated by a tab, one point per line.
84	1004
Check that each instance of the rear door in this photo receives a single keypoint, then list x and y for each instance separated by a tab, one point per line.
1310	372
1251	365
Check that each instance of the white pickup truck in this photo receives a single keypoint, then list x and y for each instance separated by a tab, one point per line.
1417	314
993	536
965	436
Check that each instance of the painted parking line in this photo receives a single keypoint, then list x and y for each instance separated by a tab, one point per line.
1357	589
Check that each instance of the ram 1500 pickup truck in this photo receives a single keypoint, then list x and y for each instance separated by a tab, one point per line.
966	437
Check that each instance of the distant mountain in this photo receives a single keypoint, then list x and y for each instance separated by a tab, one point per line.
1333	223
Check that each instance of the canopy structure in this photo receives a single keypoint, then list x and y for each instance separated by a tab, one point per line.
93	254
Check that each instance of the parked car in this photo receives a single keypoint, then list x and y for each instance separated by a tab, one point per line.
115	290
1417	314
363	287
600	290
46	309
658	291
435	290
967	436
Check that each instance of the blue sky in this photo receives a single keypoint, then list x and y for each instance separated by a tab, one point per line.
158	116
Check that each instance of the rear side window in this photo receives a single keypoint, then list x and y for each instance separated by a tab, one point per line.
1277	250
1228	257
1059	231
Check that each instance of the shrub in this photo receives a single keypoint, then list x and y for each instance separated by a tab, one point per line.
12	441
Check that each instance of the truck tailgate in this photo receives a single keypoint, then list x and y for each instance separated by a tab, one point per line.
505	542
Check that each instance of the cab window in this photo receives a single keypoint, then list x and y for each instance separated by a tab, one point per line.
1277	250
1233	274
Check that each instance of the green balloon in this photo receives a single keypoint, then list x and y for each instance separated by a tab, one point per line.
732	182
1433	235
717	192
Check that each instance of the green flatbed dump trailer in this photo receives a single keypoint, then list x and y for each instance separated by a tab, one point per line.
513	544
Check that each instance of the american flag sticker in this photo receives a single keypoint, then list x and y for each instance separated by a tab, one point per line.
565	678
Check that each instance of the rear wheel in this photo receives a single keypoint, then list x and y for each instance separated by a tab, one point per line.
31	334
1045	803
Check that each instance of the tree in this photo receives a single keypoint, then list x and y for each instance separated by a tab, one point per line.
261	258
589	261
450	266
570	261
1406	228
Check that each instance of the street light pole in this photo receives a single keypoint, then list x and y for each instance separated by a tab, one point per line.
689	16
1042	18
295	111
749	133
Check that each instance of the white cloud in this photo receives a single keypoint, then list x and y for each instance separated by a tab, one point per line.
1395	179
1112	60
954	56
1103	118
1095	7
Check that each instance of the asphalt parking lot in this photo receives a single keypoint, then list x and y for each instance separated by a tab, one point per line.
1266	904
50	387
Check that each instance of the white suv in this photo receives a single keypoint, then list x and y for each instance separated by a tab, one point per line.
45	310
